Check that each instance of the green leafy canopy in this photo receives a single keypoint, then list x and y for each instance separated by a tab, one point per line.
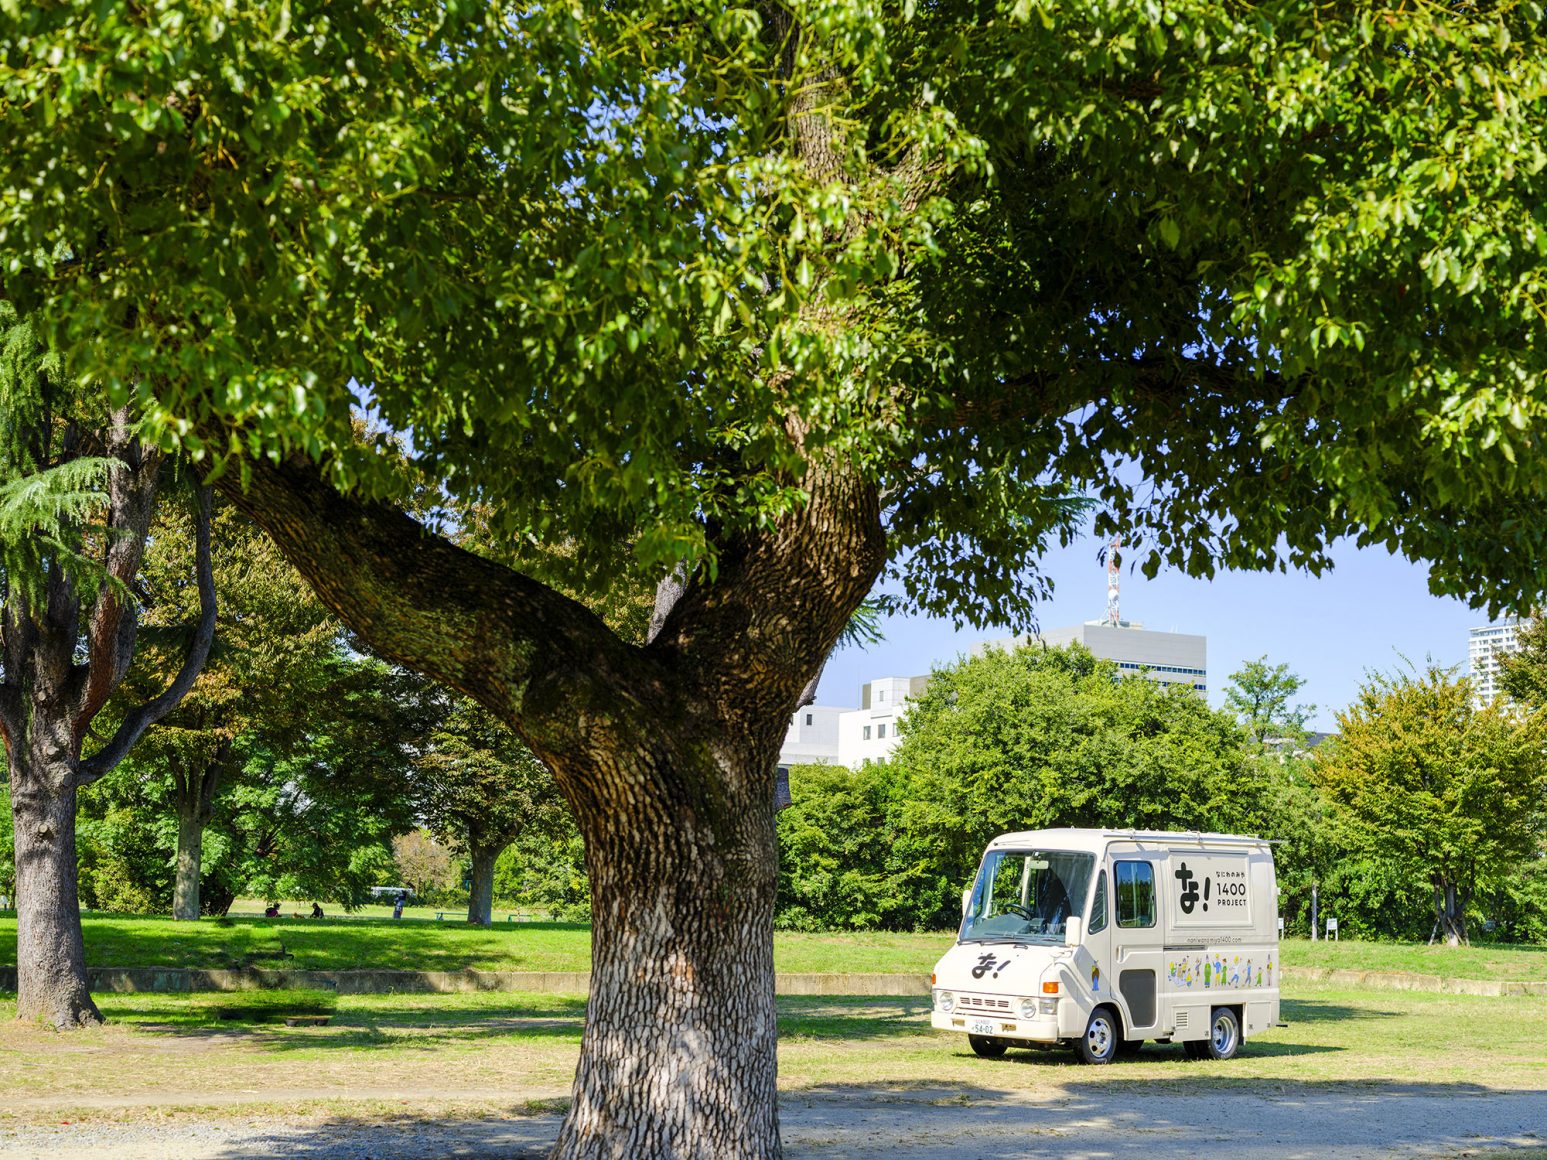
622	269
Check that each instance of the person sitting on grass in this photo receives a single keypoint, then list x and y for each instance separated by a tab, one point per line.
316	911
271	910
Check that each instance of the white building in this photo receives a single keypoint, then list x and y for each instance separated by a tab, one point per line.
828	735
1483	646
1169	658
823	734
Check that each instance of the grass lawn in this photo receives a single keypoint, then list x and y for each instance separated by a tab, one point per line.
167	1056
1475	962
418	943
413	944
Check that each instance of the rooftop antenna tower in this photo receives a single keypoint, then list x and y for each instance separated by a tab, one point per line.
1114	617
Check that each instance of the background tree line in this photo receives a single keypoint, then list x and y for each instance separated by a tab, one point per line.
1425	814
298	765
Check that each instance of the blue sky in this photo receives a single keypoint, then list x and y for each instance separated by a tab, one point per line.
1329	629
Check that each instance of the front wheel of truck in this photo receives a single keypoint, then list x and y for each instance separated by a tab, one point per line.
987	1047
1099	1043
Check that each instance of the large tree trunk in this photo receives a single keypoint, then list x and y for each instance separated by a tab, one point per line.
678	1057
190	843
480	899
665	753
50	952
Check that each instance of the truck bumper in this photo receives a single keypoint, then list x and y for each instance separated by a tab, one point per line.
1042	1029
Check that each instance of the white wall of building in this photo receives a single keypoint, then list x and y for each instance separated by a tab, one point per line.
812	738
1168	658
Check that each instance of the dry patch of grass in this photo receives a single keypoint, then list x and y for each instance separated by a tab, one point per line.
170	1056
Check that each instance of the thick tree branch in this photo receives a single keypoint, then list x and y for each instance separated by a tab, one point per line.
755	639
131	489
139	719
1169	381
478	627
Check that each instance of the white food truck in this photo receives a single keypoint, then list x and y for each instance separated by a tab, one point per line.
1107	938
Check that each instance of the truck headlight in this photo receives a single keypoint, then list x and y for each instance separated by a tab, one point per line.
1028	1008
944	1000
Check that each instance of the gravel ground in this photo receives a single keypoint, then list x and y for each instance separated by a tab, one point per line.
953	1124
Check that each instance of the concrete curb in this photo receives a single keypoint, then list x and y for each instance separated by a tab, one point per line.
125	980
1408	981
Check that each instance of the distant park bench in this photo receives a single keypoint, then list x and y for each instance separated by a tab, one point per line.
513	916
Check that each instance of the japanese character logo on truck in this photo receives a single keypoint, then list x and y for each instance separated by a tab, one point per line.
987	963
1218	886
1189	896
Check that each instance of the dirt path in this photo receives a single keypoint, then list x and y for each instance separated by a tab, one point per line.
1359	1122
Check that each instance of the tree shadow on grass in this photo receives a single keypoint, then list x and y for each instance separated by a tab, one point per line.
334	943
1315	1010
351	1027
519	1137
853	1018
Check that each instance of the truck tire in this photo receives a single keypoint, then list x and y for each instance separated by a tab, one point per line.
1102	1035
987	1046
1224	1035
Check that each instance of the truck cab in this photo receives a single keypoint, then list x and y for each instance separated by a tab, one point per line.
1107	938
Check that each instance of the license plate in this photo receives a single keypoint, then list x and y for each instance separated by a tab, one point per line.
981	1027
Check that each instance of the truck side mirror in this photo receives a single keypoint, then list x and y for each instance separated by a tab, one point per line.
1072	931
966	900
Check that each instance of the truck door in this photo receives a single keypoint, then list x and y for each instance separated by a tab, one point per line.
1137	951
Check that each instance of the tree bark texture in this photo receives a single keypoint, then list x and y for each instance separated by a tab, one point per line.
1450	911
50	951
678	1056
480	899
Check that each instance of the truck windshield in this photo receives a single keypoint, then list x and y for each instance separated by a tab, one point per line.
1027	895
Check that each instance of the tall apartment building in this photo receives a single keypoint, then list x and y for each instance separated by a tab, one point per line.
1483	646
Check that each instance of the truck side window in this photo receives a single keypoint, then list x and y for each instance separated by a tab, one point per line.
1135	893
1098	905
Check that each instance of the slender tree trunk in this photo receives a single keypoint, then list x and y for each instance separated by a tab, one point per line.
195	807
678	1058
1451	916
50	952
190	850
480	900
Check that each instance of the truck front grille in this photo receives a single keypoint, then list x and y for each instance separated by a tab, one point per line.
982	1003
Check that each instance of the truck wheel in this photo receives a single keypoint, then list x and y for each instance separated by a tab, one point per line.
1224	1035
1099	1043
986	1046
